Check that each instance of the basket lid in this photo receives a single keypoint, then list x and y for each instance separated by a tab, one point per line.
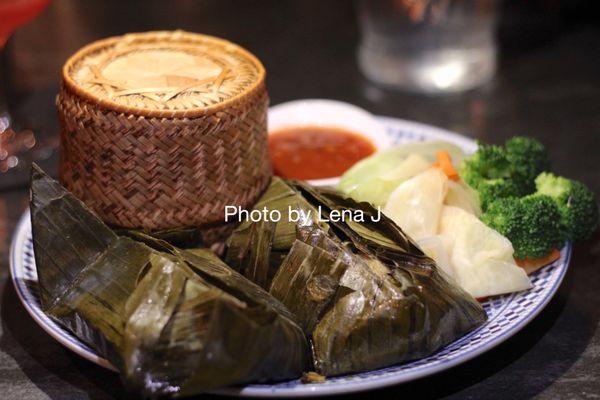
163	74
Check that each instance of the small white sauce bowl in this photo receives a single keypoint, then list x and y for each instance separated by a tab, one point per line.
328	113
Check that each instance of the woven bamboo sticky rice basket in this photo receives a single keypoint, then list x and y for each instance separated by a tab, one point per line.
162	130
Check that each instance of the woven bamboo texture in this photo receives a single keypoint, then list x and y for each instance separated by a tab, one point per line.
165	144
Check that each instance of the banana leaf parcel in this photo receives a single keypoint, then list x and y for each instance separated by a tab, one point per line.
174	322
364	293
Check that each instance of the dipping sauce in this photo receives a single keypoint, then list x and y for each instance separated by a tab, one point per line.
316	152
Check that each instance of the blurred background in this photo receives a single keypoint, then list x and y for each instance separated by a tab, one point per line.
531	66
488	69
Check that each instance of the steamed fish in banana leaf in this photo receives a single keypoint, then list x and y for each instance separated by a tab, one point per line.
364	292
173	322
257	249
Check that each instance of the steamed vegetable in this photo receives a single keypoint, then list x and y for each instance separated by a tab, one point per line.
576	204
444	163
461	195
481	259
505	171
532	265
493	189
434	247
488	162
375	178
528	158
499	181
416	204
531	223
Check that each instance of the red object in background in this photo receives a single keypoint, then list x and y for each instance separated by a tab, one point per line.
14	13
314	152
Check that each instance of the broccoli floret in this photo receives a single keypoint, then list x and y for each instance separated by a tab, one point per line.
521	160
576	204
494	189
488	162
528	158
531	223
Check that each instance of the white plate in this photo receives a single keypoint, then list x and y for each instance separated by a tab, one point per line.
506	314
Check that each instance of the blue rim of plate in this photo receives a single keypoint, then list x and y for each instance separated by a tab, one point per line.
506	314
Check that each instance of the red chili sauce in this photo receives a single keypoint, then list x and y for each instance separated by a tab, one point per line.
315	152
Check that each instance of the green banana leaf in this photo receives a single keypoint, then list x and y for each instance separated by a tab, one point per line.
363	292
182	237
256	249
174	322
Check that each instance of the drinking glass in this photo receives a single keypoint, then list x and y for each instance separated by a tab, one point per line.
427	46
13	14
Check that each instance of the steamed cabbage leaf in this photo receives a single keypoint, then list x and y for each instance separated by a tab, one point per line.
374	178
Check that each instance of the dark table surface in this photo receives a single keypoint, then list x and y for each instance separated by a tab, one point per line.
547	86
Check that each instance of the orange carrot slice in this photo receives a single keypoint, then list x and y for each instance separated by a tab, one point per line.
532	265
444	162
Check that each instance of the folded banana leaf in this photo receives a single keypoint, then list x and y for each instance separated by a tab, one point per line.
182	237
364	292
256	249
174	322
